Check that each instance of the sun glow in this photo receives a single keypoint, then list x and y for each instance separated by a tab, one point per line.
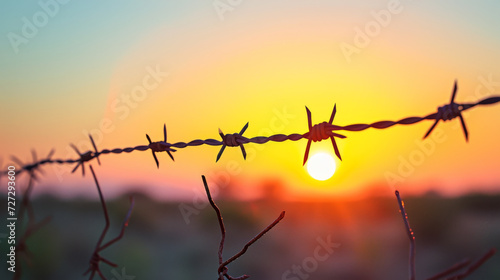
321	166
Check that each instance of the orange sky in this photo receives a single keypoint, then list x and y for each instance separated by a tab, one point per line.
261	62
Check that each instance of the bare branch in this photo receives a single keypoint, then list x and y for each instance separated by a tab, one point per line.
410	236
223	270
31	227
96	258
219	218
253	240
454	268
475	265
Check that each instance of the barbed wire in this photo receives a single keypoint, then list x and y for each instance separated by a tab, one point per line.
318	132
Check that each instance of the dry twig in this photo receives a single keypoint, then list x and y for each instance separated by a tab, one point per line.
223	270
409	231
452	269
22	249
96	257
448	271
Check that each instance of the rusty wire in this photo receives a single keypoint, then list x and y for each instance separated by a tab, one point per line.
410	234
223	270
96	258
446	273
317	132
22	248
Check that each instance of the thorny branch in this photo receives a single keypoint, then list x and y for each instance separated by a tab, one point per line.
448	271
223	270
96	257
317	132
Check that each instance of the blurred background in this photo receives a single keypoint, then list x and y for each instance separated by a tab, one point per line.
120	69
367	238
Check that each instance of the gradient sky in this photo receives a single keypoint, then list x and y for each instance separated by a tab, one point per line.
77	68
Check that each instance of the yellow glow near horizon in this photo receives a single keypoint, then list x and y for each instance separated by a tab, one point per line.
321	166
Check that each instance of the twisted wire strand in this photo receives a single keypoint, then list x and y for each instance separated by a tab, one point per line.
413	120
317	132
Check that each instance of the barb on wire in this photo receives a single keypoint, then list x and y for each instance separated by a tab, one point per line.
223	270
318	132
472	267
33	168
87	156
449	112
22	249
232	140
96	154
96	258
321	131
160	146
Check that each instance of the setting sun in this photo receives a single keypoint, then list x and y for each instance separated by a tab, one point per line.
321	166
